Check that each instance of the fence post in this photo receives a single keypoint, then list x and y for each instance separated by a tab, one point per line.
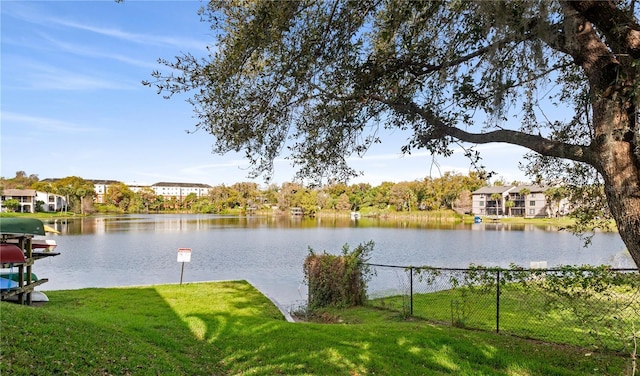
498	301
411	290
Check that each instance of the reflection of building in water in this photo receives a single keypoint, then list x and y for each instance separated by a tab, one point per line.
180	223
99	226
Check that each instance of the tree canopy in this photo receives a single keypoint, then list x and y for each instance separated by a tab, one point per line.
76	189
319	80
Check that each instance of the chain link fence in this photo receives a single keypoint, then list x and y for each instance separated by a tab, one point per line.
593	307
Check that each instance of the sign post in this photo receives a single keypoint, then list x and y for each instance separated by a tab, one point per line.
184	255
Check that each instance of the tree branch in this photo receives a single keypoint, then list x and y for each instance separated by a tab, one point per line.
418	67
577	37
619	27
539	144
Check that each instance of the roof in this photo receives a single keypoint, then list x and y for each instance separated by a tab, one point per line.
103	182
531	188
510	188
19	192
93	181
159	184
190	185
494	189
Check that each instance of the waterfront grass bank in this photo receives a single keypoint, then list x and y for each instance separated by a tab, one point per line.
223	328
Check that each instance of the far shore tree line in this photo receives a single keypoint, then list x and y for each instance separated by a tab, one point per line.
316	82
450	191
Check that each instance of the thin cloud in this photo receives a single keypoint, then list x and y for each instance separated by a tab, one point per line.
202	169
43	124
35	16
45	77
70	81
95	53
144	39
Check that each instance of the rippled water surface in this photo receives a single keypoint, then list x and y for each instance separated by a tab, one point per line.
269	251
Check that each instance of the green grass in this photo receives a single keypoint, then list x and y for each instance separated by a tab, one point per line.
41	215
230	328
530	312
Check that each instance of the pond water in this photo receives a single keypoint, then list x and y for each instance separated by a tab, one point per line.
269	251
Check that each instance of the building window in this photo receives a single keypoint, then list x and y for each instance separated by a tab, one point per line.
532	211
481	203
532	203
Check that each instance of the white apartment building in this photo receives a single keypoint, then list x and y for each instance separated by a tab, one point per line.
180	190
164	189
29	198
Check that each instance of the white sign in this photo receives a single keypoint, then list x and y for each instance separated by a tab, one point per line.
184	254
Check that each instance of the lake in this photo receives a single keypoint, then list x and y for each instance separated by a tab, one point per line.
269	251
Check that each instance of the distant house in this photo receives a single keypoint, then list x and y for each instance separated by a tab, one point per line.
28	199
180	190
528	201
167	190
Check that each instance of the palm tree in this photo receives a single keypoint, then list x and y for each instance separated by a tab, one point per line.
509	204
524	192
497	197
555	195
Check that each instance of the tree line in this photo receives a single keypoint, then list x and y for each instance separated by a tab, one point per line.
451	190
316	82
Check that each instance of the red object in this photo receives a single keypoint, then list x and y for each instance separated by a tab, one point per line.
10	253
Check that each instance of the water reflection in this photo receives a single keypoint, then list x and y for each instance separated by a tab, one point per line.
269	251
179	223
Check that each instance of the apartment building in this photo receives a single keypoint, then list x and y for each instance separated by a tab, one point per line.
101	187
180	190
31	200
165	189
527	201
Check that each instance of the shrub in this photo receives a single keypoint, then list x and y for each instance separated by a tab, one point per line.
339	281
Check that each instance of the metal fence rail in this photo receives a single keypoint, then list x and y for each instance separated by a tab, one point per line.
590	306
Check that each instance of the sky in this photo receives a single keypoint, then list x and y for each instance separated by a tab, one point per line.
72	102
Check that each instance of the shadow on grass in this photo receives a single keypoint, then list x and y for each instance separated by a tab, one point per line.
230	328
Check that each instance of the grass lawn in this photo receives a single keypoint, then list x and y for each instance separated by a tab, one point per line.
230	328
591	323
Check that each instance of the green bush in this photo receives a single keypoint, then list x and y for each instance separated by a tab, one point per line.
338	280
108	208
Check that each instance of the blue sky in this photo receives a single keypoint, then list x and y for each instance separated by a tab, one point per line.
72	102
